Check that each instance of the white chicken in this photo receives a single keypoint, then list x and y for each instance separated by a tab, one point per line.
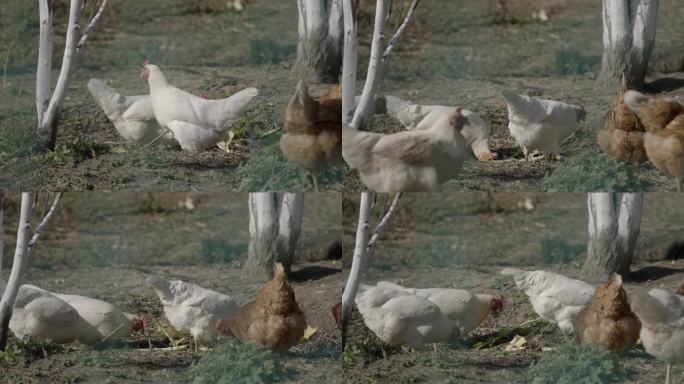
196	123
465	310
476	131
400	317
132	116
38	313
411	161
109	321
191	308
67	318
555	298
662	325
538	124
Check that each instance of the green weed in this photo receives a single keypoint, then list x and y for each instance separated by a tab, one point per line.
570	364
233	362
590	172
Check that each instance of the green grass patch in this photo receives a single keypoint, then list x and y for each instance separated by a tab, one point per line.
18	142
570	364
27	350
217	249
269	51
233	362
556	250
589	172
366	350
74	151
574	62
268	169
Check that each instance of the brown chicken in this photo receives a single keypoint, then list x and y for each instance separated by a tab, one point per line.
663	119
337	314
312	130
622	136
608	321
273	320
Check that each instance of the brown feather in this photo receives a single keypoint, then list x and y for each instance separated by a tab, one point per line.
273	320
608	321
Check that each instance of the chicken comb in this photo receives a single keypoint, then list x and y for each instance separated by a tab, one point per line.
146	62
278	271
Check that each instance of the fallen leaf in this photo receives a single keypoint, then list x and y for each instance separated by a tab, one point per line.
517	343
308	332
225	144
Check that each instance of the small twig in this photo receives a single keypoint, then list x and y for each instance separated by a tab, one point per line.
166	130
43	223
395	39
383	222
4	68
91	25
268	133
112	333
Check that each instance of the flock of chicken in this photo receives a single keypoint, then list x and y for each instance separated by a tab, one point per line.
272	320
600	315
429	153
640	128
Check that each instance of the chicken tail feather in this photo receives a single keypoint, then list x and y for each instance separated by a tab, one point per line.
647	308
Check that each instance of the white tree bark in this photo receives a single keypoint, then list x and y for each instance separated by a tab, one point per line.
319	50
349	64
629	29
20	258
358	260
362	250
2	229
47	104
290	226
353	116
274	225
614	222
263	230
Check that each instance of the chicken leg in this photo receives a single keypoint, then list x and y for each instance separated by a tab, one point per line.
680	184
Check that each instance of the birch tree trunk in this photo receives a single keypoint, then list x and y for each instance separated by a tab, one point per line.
47	104
614	223
263	230
629	29
319	50
358	260
274	225
20	256
290	226
2	230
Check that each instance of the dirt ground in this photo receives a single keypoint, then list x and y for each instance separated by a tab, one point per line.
463	241
132	236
